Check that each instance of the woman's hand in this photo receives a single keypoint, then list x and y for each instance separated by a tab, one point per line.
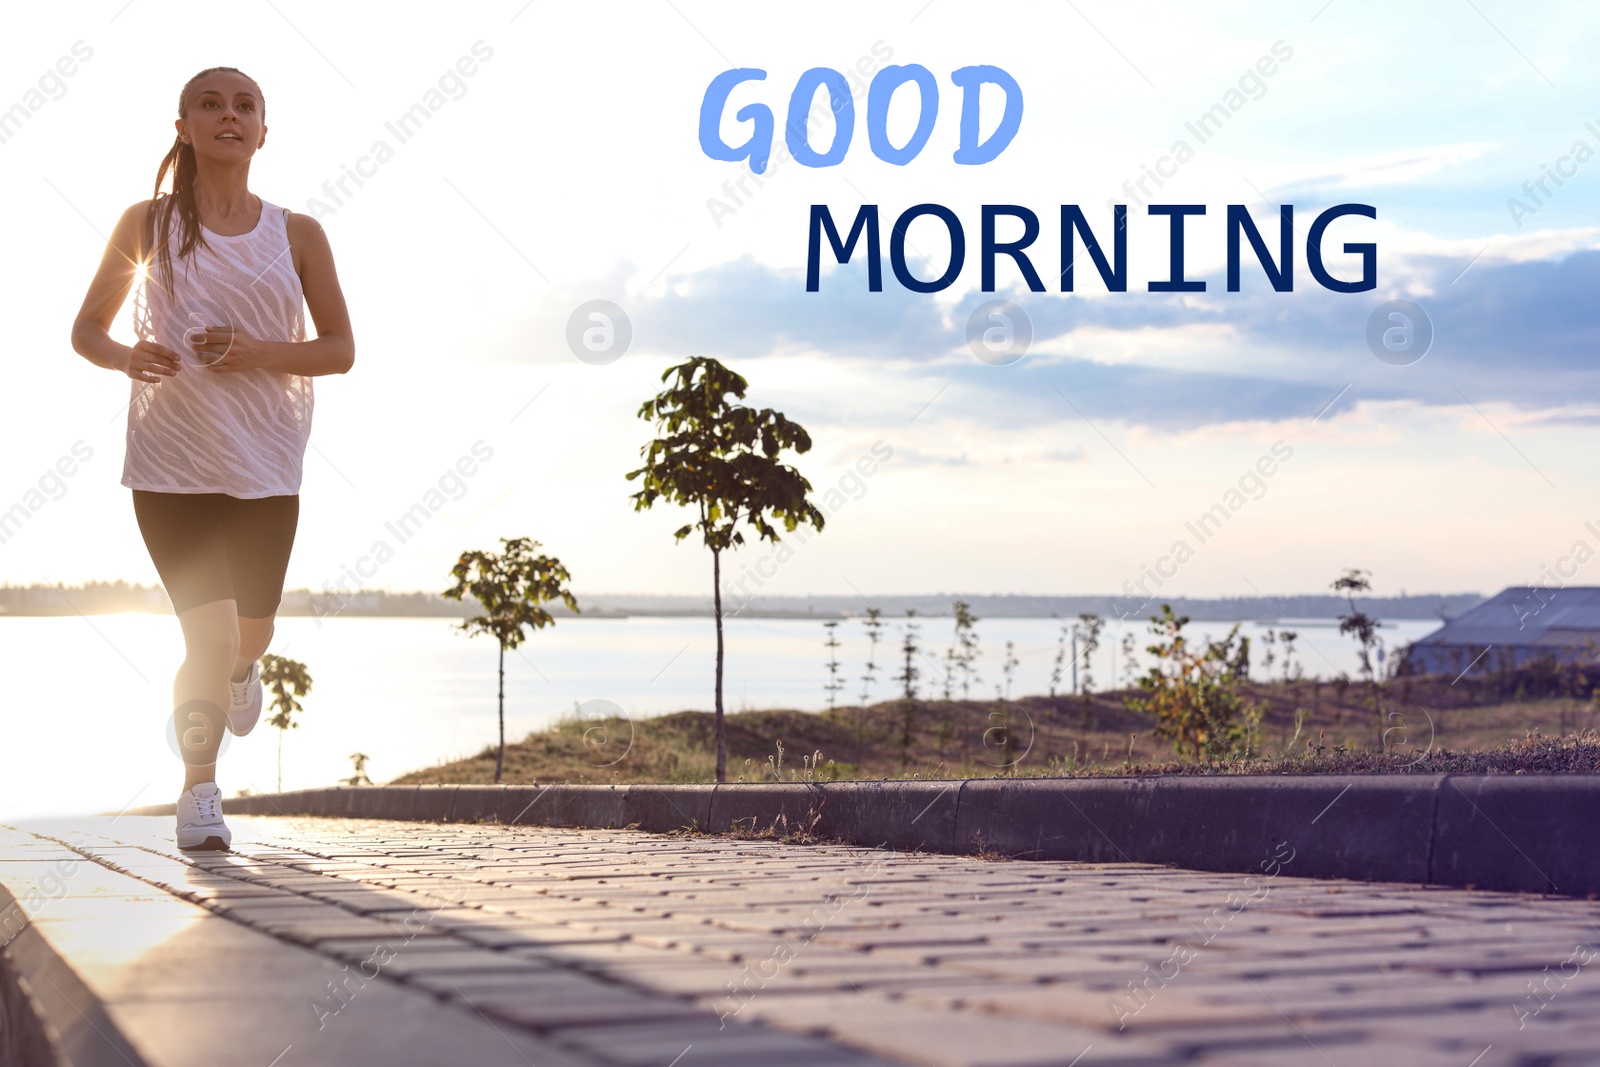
227	348
150	362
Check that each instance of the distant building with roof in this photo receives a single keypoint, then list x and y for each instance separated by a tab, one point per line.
1516	627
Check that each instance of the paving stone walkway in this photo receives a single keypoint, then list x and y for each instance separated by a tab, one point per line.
323	941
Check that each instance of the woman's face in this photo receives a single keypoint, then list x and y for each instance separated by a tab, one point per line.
223	118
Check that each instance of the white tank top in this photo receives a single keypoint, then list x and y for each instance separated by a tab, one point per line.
242	433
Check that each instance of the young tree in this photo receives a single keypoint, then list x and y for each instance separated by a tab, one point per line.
512	587
874	624
721	459
1008	666
358	765
1192	696
1292	671
1086	631
1239	663
909	648
1058	666
909	673
1000	713
835	683
1364	628
287	680
1085	640
966	647
908	731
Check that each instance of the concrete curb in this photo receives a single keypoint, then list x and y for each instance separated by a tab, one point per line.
47	1014
1523	833
1367	828
1519	833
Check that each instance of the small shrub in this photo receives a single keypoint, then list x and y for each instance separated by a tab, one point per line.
1192	695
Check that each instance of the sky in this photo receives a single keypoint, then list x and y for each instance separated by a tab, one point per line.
568	168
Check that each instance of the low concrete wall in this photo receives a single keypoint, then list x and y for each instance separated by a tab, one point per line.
48	1016
1530	833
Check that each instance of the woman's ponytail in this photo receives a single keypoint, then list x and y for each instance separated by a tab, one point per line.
180	162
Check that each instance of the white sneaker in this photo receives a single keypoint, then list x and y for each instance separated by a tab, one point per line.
200	825
244	707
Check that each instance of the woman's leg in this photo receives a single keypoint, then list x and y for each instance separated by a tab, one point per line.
200	691
255	636
186	537
260	536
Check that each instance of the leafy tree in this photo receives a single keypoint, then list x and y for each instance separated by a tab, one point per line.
512	587
909	673
1127	656
966	647
1085	640
358	764
1008	667
1364	628
1086	634
287	680
722	460
950	669
1191	694
908	731
835	683
1059	664
1292	671
1239	661
874	624
909	648
1000	713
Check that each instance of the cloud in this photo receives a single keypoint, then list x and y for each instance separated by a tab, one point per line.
760	310
1509	330
992	453
1402	167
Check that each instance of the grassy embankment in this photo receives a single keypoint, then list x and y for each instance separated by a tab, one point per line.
1432	725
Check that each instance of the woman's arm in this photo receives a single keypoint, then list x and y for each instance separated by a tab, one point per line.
324	298
91	337
333	351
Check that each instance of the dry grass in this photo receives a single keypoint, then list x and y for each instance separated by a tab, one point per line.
1532	754
983	851
1431	727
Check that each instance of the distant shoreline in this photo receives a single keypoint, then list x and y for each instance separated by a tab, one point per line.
104	598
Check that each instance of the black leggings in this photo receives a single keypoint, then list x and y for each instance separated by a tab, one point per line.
211	546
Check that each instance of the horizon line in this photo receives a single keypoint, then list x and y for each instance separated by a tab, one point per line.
6	585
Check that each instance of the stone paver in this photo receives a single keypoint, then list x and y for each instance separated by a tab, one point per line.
355	941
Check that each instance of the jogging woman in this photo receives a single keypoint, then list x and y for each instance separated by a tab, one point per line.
221	406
